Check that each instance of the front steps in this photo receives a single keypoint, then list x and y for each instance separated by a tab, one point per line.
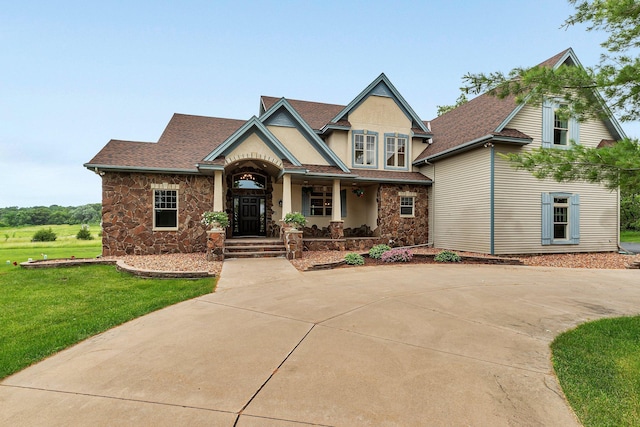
254	248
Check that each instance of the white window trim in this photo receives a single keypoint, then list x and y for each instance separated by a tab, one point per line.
395	137
327	195
408	196
365	134
166	187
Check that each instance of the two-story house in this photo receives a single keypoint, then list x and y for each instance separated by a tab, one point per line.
371	168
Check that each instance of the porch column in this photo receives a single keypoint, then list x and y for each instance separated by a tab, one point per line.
336	226
218	193
286	194
336	210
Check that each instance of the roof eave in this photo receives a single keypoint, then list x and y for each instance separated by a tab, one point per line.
111	168
472	144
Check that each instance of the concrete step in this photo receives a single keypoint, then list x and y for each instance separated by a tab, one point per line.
258	254
255	248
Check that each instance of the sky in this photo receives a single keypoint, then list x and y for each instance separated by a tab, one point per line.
75	74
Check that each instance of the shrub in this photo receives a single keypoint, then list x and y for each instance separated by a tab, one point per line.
211	217
295	219
447	256
84	233
377	251
45	235
354	259
397	255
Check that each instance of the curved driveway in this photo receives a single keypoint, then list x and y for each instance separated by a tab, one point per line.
381	346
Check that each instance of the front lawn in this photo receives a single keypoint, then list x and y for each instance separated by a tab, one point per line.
598	366
630	236
43	311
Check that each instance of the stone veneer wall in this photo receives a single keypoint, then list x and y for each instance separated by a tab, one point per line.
403	231
127	214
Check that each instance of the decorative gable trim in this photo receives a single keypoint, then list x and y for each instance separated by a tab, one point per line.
253	125
381	86
282	112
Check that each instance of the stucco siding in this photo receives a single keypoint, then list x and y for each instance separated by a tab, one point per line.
254	147
461	201
298	145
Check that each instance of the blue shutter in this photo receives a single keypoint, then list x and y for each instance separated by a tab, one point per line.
547	123
306	203
547	219
574	130
343	203
574	219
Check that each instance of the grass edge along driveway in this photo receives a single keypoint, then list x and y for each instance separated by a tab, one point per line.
47	310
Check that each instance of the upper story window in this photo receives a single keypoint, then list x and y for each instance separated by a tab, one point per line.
165	209
365	145
396	150
558	131
560	128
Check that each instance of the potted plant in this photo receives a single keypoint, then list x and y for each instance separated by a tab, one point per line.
295	220
217	220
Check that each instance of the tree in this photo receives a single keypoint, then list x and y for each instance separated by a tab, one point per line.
617	77
462	99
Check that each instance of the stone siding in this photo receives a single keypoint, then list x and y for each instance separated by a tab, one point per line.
127	214
397	231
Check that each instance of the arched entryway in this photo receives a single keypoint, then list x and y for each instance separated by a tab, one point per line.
249	199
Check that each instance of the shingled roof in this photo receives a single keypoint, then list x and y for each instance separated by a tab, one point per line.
186	140
316	114
478	120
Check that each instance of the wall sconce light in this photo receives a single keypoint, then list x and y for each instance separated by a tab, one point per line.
280	203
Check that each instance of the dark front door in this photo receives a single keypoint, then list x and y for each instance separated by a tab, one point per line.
250	218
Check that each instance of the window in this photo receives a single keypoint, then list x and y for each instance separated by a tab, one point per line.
558	132
560	128
320	201
396	150
364	148
165	209
249	181
560	219
407	206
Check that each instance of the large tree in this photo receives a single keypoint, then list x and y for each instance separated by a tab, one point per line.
616	79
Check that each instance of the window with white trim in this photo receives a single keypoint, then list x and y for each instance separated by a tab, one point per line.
396	150
558	130
560	219
364	148
165	209
407	206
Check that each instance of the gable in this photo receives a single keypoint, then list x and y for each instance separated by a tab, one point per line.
298	145
379	111
382	87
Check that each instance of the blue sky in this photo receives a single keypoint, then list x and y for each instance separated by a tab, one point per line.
75	74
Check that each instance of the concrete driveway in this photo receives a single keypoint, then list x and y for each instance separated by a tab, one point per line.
371	346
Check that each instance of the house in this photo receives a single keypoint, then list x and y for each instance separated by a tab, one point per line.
371	170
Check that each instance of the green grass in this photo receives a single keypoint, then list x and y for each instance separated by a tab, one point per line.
16	244
598	366
43	311
630	236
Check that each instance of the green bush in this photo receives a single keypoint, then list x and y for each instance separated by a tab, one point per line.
84	233
447	256
45	235
295	219
377	251
354	259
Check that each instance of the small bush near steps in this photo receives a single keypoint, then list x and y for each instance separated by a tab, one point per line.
447	256
377	251
397	255
354	259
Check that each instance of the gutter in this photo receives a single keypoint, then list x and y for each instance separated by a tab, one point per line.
110	168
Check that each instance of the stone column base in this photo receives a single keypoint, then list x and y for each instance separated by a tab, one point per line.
336	229
215	245
293	242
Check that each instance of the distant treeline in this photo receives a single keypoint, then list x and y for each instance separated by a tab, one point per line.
54	214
